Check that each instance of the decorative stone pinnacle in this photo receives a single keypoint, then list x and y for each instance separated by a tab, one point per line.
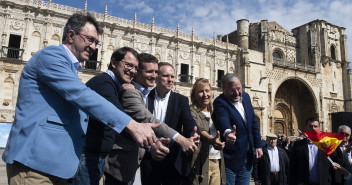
106	10
85	6
178	27
135	17
192	31
153	21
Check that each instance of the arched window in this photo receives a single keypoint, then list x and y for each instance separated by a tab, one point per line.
277	55
332	51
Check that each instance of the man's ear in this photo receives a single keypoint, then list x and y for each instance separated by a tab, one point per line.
70	35
113	63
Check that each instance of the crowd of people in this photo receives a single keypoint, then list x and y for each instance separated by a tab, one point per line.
67	132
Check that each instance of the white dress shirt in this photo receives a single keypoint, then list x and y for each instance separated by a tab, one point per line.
313	163
239	106
240	109
160	106
213	154
274	159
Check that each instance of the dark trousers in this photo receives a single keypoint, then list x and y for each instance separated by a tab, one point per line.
274	179
110	180
90	170
159	172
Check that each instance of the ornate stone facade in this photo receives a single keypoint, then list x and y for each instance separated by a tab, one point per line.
290	76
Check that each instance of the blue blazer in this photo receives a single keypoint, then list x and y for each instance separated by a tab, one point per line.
52	115
225	115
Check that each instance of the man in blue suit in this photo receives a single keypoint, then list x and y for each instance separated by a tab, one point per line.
53	105
234	117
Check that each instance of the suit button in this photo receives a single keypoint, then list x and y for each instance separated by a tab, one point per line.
86	120
111	124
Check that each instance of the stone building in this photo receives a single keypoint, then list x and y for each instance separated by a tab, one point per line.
289	76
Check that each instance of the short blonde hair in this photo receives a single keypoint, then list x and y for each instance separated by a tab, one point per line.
200	83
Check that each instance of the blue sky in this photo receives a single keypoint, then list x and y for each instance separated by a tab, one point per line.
220	16
4	133
208	16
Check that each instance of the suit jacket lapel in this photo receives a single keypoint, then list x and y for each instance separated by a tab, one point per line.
240	116
246	111
306	151
150	100
236	113
170	107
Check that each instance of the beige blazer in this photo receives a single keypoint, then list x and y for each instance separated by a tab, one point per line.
123	160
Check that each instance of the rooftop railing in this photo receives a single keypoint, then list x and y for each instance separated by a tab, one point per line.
92	65
185	78
293	64
10	52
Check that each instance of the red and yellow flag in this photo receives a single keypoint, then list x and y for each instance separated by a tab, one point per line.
325	141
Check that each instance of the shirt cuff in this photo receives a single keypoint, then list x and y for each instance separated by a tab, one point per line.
174	137
226	131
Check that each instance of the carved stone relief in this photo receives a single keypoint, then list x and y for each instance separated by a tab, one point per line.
220	63
184	55
17	26
143	47
37	27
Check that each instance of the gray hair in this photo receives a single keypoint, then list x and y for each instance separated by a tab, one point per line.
344	127
229	77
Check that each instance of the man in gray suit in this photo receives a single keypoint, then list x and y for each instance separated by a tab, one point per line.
122	161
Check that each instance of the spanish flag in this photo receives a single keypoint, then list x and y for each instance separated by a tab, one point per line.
325	141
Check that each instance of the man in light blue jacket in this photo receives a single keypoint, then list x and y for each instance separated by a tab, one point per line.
52	110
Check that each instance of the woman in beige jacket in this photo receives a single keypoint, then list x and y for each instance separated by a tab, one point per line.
207	162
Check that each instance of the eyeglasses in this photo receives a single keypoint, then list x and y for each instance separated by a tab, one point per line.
129	66
237	89
89	39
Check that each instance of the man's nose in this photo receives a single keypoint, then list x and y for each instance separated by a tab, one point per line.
93	46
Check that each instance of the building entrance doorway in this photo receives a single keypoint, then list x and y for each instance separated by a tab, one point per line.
294	103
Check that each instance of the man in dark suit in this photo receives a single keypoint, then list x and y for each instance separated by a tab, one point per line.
100	138
308	165
234	117
288	146
273	165
173	109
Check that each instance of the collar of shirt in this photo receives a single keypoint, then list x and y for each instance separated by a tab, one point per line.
269	148
143	90
74	60
166	96
110	73
240	108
